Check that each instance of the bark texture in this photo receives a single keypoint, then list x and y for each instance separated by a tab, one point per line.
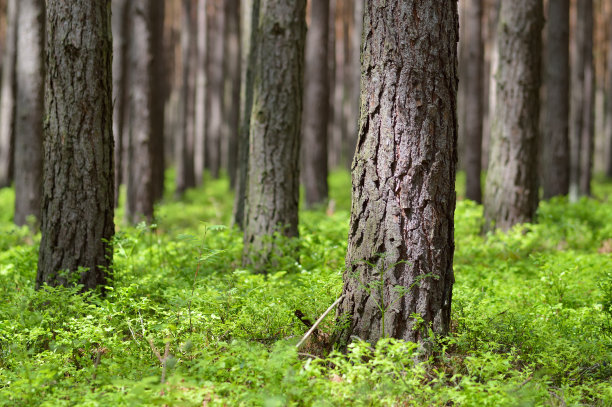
7	96
556	139
245	125
29	110
316	105
78	189
273	189
400	249
140	162
120	27
473	106
511	193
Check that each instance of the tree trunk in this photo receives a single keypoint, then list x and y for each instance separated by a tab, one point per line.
608	104
120	21
184	148
316	105
511	193
353	125
587	133
140	161
556	142
200	92
245	125
78	184
232	83
159	92
473	99
214	86
7	96
400	250
29	110
581	109
273	189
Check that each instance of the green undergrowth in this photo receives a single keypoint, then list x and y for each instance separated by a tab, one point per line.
531	324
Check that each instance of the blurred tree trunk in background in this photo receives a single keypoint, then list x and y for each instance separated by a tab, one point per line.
556	137
316	105
29	109
608	107
7	96
473	98
214	86
140	145
159	95
78	199
200	91
353	102
491	62
511	193
582	100
120	26
273	188
250	41
233	79
403	176
184	147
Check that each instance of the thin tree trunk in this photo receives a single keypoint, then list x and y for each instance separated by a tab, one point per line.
608	104
473	102
200	93
184	148
353	124
7	97
273	189
400	250
159	94
140	160
587	133
316	106
556	141
214	87
245	125
29	111
120	24
233	84
77	208
511	193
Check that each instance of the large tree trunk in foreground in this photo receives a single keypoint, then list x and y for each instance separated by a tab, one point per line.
78	189
140	162
556	141
7	96
511	193
474	69
273	188
29	109
316	105
400	252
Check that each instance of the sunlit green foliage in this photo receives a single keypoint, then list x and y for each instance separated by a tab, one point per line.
532	316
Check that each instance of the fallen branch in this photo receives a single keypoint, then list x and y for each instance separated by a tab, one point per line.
312	329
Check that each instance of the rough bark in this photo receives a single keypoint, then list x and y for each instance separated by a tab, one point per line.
78	188
7	96
582	98
316	105
400	249
245	125
273	188
556	138
232	83
473	102
184	147
214	87
139	203
29	109
511	193
159	86
120	21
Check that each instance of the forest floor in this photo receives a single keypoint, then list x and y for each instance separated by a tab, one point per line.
531	319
